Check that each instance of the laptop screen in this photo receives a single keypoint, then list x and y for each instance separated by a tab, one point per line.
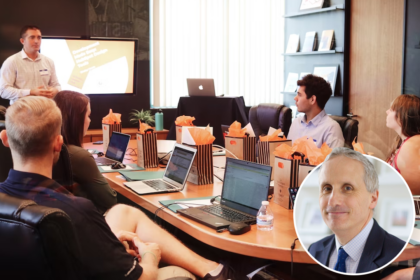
246	183
179	164
117	146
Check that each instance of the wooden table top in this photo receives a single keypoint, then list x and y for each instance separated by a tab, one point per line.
273	244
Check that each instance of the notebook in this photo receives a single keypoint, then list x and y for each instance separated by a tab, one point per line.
201	87
245	186
116	149
175	175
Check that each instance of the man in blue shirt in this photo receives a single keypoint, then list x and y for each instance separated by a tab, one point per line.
312	95
125	244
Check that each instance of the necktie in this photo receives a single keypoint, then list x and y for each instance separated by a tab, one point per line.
341	260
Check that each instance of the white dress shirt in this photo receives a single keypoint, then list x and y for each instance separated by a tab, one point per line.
354	249
19	74
322	129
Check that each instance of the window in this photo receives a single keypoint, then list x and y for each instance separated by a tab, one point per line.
238	43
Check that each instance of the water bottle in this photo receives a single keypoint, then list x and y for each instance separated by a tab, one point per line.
159	121
265	217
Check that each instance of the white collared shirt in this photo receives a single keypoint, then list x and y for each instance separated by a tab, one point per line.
19	74
322	129
354	249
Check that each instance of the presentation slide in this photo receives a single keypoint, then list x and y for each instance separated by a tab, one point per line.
92	66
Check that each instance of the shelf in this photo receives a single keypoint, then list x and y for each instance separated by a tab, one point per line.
312	53
333	8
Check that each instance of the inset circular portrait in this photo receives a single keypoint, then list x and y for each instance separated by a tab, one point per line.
354	214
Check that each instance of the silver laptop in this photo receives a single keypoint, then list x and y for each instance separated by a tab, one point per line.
116	149
175	175
201	87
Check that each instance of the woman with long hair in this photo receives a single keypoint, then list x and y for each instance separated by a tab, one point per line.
404	118
75	110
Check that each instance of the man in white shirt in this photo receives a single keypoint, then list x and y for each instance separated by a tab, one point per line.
312	95
349	191
28	72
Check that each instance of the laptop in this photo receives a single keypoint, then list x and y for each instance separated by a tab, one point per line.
201	87
245	186
417	206
116	149
175	174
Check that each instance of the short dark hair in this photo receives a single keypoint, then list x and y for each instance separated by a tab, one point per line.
26	28
317	86
73	106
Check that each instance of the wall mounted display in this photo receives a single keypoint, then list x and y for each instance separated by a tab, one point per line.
311	4
311	41
328	72
327	40
293	44
291	84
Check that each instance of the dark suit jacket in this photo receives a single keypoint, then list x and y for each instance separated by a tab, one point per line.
380	248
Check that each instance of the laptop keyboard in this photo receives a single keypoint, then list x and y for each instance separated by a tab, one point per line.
104	161
227	213
159	185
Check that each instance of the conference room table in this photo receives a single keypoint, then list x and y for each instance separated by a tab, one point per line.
273	245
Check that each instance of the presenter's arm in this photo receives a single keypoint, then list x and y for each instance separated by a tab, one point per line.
53	84
7	82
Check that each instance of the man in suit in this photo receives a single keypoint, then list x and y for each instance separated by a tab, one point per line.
348	194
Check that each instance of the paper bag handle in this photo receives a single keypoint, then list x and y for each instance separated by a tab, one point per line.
150	130
298	154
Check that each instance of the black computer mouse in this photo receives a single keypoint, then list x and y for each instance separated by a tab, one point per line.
117	165
239	228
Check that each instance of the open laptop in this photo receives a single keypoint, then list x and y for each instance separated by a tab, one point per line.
116	149
245	186
175	175
201	87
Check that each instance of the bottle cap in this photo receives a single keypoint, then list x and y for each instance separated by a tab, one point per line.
265	203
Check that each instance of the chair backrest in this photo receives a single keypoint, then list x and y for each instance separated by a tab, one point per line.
350	128
36	242
265	115
62	171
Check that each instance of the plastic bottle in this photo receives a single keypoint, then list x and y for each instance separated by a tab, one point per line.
159	121
265	217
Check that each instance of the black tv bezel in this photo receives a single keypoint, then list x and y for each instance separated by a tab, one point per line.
136	45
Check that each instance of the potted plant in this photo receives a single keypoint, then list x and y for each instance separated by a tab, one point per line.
143	116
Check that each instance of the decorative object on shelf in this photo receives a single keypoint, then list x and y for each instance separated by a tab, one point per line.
293	44
327	40
143	116
311	5
291	83
329	73
311	42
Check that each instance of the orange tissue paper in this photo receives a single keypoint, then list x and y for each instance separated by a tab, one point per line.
273	137
284	151
201	136
143	127
235	130
184	121
112	118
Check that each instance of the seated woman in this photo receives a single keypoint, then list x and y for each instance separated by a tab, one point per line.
404	118
75	109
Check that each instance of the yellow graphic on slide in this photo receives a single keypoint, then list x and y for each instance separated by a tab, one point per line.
89	55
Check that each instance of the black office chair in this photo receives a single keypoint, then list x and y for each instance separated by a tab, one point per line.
36	242
265	115
350	128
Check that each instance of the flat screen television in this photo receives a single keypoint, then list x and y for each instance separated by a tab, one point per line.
95	65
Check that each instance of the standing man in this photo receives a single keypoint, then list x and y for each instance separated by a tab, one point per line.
312	95
28	72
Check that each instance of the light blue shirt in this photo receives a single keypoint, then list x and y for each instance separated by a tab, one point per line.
322	129
354	249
